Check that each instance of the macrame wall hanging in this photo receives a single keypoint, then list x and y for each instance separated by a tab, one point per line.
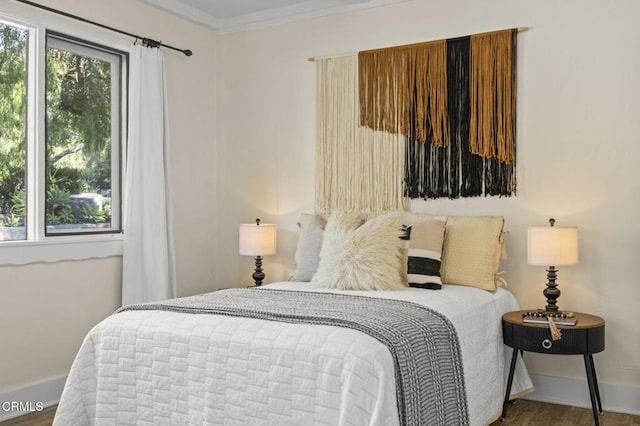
357	169
454	103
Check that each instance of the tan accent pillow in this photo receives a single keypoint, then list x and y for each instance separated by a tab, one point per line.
472	250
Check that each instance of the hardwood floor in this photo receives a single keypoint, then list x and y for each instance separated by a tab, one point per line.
522	413
42	418
533	413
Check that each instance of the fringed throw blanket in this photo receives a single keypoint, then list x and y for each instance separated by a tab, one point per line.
423	343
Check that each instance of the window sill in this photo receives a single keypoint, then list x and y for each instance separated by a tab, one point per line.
57	249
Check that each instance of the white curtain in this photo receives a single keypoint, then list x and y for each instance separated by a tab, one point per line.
148	259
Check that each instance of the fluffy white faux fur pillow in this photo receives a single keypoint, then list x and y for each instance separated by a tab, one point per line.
365	257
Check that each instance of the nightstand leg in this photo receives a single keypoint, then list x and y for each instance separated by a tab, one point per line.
512	369
593	386
595	383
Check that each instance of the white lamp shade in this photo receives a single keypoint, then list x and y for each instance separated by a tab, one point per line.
257	240
552	246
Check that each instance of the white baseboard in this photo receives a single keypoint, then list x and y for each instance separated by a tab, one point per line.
575	392
32	398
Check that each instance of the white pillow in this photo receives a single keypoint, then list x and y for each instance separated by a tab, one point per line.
308	249
361	257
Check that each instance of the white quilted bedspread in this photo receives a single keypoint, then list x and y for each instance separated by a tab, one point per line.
165	368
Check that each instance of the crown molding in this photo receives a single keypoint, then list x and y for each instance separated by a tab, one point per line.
266	18
189	13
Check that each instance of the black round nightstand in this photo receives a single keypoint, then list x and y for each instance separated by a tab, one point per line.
585	338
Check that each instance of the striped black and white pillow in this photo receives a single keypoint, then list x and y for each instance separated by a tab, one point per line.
422	254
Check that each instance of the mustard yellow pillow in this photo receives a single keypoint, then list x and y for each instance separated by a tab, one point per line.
472	249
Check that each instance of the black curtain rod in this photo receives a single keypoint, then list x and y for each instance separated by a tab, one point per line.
145	41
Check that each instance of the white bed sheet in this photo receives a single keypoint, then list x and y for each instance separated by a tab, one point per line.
165	368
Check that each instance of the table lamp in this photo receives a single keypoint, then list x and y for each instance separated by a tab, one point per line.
552	246
257	239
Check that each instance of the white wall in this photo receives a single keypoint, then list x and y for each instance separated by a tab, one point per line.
578	146
46	309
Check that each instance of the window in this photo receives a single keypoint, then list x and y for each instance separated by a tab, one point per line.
62	109
13	130
82	161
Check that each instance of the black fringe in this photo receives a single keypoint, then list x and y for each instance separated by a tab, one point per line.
459	102
454	172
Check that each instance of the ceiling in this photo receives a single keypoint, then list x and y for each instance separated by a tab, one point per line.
225	16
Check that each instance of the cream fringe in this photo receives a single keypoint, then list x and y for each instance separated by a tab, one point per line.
357	169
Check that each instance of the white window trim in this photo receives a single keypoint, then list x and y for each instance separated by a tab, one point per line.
55	248
58	249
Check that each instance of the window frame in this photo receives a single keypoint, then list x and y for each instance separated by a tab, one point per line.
118	109
39	247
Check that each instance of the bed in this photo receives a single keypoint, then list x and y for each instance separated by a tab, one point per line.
159	367
326	348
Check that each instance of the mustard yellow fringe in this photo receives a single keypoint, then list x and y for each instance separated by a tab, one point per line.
394	82
493	96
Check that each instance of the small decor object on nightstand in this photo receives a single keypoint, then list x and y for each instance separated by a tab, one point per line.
257	240
542	317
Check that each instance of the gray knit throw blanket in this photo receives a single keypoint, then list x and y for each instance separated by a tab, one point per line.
423	343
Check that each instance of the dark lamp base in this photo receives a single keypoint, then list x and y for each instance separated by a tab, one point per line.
551	292
258	275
